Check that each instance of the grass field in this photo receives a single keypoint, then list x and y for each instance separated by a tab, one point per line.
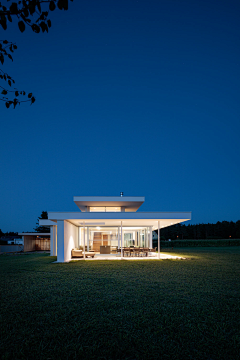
170	309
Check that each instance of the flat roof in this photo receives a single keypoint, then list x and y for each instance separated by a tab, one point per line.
115	218
132	203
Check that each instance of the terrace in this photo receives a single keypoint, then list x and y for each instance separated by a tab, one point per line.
152	256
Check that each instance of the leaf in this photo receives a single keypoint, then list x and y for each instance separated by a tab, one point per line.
49	23
9	83
43	26
15	47
16	93
60	4
36	28
31	7
10	57
14	8
2	58
15	101
21	26
39	6
3	22
65	4
5	42
33	100
4	92
9	17
52	6
7	104
29	95
25	12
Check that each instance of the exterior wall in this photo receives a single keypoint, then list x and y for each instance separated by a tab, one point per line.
42	244
53	241
67	239
60	241
29	242
70	239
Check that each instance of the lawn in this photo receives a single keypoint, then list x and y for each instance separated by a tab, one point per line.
168	309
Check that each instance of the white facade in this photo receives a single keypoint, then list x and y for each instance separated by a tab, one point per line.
111	221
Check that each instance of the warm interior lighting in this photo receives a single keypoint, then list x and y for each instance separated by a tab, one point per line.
98	228
105	209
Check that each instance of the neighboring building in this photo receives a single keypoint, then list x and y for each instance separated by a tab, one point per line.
35	241
16	242
11	240
111	221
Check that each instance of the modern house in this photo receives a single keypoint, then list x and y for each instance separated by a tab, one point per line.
112	222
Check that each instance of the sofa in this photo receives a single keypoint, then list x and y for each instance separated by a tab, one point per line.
79	253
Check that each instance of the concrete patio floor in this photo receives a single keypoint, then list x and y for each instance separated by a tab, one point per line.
118	257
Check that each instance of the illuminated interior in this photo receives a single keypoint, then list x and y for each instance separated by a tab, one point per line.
111	236
105	209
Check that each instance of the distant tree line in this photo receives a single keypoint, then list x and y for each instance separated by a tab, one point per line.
8	234
220	230
38	228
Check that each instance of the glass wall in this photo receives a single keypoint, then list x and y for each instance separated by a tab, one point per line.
104	209
111	236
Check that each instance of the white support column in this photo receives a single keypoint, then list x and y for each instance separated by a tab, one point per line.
60	245
150	237
80	240
87	238
53	240
158	239
84	240
118	238
121	242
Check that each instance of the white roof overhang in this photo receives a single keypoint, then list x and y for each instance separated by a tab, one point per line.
115	219
46	222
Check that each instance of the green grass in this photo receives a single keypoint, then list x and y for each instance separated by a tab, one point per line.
170	309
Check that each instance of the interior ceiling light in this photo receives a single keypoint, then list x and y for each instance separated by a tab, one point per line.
92	223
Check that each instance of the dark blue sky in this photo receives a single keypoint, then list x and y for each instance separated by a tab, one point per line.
133	96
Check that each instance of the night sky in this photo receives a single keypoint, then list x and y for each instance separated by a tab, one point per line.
133	96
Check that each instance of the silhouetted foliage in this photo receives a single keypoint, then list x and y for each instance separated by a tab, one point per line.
29	13
42	229
220	230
